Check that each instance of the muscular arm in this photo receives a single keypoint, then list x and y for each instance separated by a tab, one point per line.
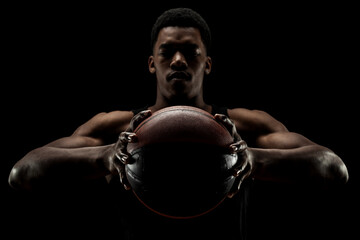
72	159
46	166
282	156
290	157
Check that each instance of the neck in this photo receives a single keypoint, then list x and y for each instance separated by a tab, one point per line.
196	102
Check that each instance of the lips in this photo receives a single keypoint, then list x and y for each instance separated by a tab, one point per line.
178	75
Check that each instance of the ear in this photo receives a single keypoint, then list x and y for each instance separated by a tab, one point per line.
208	65
151	65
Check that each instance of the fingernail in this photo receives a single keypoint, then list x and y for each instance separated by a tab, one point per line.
124	159
234	149
147	112
131	138
237	172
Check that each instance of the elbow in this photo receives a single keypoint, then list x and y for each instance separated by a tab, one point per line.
18	179
333	170
24	173
339	173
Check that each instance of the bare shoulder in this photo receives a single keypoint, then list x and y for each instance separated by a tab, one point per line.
105	123
255	121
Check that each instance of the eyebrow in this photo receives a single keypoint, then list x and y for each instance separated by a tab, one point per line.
169	45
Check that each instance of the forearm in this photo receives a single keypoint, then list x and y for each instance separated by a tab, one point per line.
309	164
52	165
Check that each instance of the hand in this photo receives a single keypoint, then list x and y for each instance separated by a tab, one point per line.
244	165
122	157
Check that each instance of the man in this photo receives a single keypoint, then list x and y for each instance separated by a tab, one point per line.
97	149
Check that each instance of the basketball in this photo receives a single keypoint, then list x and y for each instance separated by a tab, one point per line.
182	164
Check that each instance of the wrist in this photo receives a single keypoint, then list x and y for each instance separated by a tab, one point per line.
105	159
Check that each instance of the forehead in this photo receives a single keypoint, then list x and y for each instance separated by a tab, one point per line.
179	35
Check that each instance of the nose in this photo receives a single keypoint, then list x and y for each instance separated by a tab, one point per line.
178	62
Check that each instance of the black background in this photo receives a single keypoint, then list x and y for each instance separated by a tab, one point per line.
63	63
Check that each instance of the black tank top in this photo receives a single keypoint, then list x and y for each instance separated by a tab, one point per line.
227	221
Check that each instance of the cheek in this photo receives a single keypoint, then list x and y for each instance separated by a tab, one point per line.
161	74
199	70
161	68
161	82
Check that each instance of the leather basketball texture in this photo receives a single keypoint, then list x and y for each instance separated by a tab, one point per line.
182	165
181	124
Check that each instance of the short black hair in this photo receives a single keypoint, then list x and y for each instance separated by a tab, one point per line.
181	17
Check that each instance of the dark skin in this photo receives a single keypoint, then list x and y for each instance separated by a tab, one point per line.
96	149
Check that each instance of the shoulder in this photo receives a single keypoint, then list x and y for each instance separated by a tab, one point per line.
105	123
256	121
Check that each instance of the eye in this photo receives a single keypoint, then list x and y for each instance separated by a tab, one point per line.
166	53
191	52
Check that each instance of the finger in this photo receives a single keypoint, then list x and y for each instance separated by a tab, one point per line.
234	189
223	119
121	170
240	175
229	125
123	158
244	167
138	118
121	146
123	180
126	137
242	178
238	147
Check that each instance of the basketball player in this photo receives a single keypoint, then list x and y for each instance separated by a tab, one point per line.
96	150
